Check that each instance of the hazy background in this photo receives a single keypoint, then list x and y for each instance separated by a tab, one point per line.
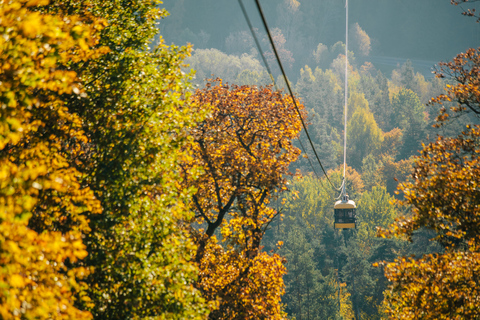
424	31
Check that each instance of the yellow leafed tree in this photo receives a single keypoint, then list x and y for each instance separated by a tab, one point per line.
34	281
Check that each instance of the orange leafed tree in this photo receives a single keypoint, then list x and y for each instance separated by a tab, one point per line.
444	197
245	148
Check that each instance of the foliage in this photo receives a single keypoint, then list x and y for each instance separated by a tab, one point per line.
289	18
394	172
360	285
406	109
311	249
286	57
443	194
465	91
245	148
361	41
36	279
392	143
438	286
443	197
379	100
311	295
370	176
133	115
363	136
376	209
212	62
238	43
309	198
321	91
356	101
92	129
467	12
320	53
243	287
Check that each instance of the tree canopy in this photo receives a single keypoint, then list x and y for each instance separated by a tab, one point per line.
245	148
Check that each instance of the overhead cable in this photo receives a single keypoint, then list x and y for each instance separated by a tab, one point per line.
346	93
271	74
290	89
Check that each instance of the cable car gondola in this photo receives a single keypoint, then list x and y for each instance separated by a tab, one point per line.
345	214
345	209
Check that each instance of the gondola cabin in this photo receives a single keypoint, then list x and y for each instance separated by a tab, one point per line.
345	215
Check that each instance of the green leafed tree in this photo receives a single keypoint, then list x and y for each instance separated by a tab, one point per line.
309	294
409	115
131	103
356	273
376	209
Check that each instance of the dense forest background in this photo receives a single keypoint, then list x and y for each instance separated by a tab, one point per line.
393	50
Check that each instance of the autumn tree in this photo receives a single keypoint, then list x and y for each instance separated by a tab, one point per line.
464	92
467	12
363	135
36	175
245	148
361	40
443	197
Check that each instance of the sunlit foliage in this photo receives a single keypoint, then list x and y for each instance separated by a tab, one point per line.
245	148
37	142
134	114
465	92
443	195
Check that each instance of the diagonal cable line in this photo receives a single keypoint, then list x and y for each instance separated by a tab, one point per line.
290	89
250	26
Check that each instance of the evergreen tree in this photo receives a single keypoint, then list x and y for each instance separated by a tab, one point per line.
409	115
357	273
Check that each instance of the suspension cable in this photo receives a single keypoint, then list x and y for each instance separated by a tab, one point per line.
290	89
346	93
250	26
